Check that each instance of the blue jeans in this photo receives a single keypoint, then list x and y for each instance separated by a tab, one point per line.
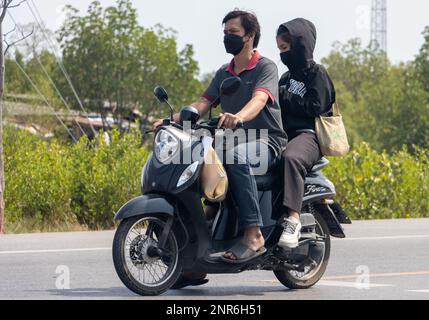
249	159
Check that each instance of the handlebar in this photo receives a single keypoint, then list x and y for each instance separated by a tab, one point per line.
210	125
215	121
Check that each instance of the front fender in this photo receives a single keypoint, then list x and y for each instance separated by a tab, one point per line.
150	203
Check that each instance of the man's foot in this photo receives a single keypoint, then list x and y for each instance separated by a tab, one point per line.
240	253
253	240
291	233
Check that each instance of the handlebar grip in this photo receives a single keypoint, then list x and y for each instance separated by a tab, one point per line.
214	121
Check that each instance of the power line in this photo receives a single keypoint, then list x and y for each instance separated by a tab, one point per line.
48	76
36	15
46	100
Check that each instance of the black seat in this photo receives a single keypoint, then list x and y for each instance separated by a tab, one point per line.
266	181
274	174
322	163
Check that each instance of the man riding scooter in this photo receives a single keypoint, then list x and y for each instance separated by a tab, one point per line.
256	107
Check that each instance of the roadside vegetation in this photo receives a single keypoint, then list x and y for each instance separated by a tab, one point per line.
53	184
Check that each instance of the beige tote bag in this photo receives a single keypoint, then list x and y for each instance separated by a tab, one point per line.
332	135
214	180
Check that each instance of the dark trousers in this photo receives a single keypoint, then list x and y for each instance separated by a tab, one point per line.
301	154
250	159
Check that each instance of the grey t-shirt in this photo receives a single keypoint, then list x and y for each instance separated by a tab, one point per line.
260	75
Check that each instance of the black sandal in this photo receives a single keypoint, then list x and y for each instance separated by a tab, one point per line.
243	253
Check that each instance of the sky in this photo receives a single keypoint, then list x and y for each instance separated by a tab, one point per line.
199	23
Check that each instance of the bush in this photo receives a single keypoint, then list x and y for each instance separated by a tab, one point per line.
55	185
52	186
373	185
38	187
105	177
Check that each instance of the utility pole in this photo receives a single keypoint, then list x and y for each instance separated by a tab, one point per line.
4	6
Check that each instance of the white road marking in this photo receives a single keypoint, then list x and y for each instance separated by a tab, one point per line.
344	284
404	237
53	251
383	238
348	284
419	291
378	275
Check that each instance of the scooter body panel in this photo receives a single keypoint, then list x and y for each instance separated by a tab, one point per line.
163	194
145	204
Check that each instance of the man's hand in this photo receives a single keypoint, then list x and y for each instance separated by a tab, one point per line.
249	112
229	121
157	123
202	105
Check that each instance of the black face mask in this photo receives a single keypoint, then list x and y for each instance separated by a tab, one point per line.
287	59
233	44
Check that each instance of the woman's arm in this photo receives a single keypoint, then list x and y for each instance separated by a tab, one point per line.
316	101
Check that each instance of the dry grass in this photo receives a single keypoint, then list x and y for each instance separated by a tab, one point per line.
32	226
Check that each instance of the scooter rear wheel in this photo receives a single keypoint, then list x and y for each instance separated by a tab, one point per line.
297	280
137	264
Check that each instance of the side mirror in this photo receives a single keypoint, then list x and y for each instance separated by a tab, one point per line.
160	94
229	86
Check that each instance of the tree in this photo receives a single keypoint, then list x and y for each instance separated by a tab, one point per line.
422	61
383	104
14	81
115	62
35	43
31	54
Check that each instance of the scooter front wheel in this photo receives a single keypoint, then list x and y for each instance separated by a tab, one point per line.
143	267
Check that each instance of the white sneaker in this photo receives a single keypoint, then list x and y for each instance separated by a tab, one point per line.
291	234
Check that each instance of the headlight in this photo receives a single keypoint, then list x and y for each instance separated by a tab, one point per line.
166	146
187	174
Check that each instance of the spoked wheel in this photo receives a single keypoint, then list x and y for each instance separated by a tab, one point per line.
141	266
312	273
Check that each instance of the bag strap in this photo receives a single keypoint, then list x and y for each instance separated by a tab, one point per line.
336	109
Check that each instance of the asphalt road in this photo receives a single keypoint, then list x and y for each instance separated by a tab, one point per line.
379	260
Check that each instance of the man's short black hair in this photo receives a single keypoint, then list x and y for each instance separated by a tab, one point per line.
248	21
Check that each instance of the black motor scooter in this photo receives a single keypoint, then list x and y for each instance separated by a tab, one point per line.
164	232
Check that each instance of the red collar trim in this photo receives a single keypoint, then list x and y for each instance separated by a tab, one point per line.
252	64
